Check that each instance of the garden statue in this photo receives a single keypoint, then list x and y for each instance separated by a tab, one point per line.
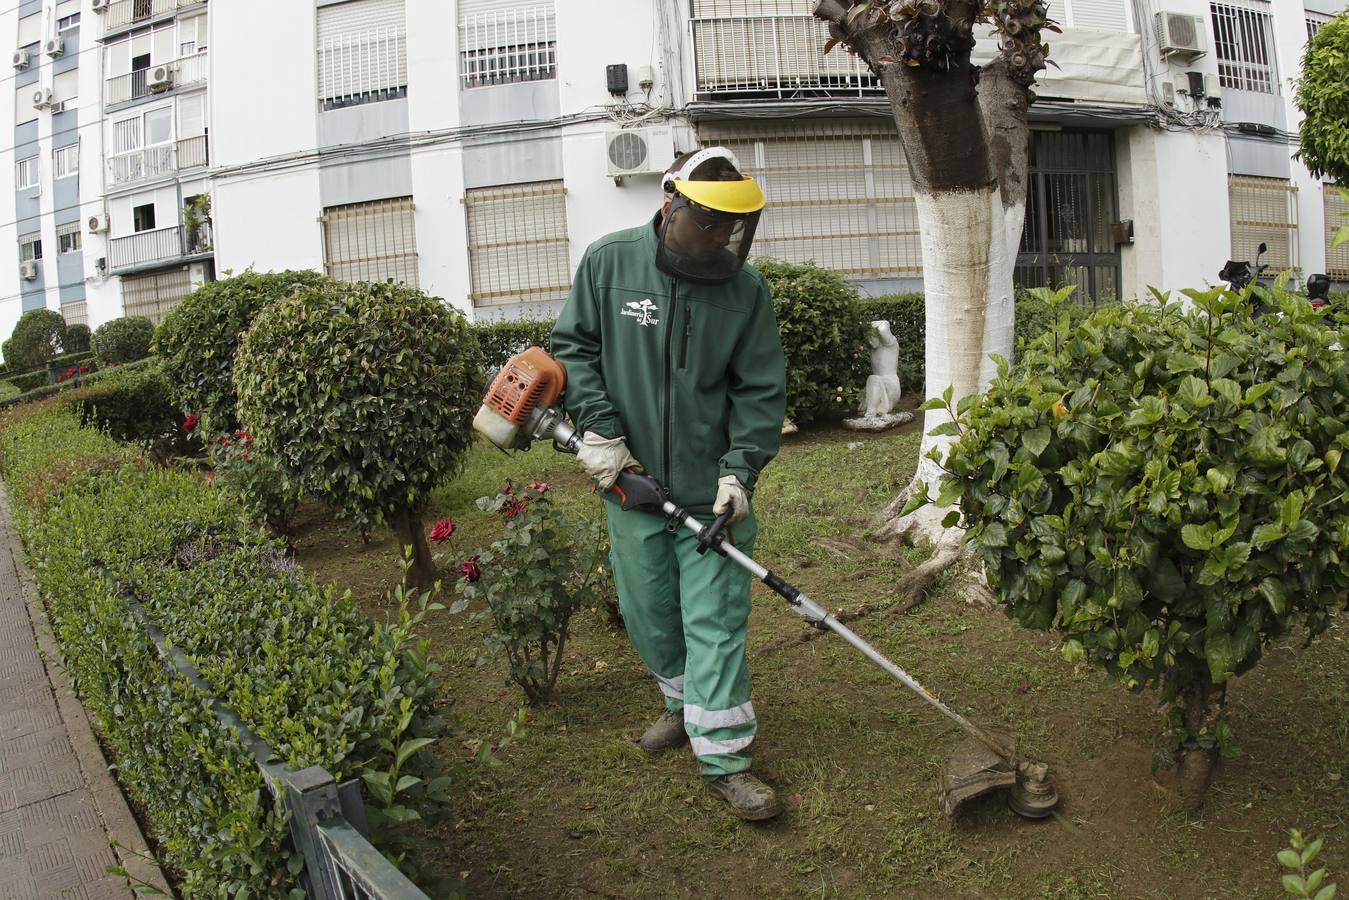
882	389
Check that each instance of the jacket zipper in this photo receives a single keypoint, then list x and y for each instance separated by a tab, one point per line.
688	330
669	378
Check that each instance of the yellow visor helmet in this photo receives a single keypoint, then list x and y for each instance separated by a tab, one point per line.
709	226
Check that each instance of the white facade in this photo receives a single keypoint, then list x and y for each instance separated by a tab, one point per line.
465	147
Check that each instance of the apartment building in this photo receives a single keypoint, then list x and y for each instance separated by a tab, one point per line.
475	149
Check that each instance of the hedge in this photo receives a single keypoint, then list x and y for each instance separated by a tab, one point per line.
908	323
129	404
50	390
499	341
302	666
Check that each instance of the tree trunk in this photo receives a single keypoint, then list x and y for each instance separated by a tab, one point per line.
1203	712
408	526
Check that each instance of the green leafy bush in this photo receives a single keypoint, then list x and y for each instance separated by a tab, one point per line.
1164	487
908	323
199	337
135	405
302	666
37	337
30	381
499	341
123	340
1300	880
78	339
364	395
1323	97
8	391
823	339
253	479
544	570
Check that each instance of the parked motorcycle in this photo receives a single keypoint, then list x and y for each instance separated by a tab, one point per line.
1238	273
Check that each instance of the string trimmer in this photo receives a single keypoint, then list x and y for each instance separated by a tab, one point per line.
522	406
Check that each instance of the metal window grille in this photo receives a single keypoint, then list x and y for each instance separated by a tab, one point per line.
26	173
30	247
76	313
68	238
517	243
362	52
1243	41
374	241
747	53
66	161
1264	210
1314	22
153	295
839	194
505	46
1337	260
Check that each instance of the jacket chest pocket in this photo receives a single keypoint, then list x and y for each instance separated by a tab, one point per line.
708	333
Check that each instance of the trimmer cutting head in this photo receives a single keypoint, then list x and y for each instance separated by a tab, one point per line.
974	769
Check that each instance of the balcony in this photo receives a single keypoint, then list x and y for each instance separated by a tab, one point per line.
123	13
186	72
157	161
774	57
163	245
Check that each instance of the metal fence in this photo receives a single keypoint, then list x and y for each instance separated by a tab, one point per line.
779	56
327	819
506	46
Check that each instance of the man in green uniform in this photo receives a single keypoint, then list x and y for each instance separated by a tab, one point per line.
674	365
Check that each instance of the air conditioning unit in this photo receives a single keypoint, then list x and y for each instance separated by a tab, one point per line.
55	47
639	151
42	98
100	5
28	269
160	78
98	223
1180	34
22	58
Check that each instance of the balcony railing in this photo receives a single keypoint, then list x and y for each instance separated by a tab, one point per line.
778	56
159	246
192	152
150	162
127	12
187	71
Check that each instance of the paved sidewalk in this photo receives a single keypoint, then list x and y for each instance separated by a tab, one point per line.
58	803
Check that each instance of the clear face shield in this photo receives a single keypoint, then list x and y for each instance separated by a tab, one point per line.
704	245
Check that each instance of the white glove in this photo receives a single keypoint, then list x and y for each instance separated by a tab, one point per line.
603	458
732	496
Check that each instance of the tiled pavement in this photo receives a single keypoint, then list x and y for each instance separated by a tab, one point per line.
53	841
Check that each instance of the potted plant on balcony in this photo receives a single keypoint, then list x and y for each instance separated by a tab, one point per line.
197	221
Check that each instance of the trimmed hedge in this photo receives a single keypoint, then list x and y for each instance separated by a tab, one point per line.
302	666
8	391
130	405
499	341
123	340
31	381
79	339
908	323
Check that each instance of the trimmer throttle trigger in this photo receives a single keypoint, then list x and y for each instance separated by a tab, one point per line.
637	491
710	537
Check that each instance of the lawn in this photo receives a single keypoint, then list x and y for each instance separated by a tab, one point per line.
578	809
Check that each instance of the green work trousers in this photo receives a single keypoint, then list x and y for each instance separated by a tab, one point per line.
687	616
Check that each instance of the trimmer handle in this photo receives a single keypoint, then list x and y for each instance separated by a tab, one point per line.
636	490
710	537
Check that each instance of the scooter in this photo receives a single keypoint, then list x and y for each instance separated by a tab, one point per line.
1238	274
523	404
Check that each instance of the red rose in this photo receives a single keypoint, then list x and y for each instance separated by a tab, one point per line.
469	570
441	531
539	487
84	368
190	424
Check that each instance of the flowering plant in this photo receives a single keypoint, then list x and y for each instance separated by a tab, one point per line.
252	477
441	531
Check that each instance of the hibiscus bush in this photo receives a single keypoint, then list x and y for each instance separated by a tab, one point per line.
364	395
545	569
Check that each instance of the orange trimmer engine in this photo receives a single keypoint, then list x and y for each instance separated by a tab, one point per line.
521	404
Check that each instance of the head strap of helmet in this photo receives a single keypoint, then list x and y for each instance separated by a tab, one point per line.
691	165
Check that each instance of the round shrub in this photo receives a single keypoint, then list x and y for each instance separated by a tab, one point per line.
364	394
1164	487
37	337
78	339
123	340
823	339
198	339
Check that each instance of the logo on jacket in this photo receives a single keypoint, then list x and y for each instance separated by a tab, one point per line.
642	312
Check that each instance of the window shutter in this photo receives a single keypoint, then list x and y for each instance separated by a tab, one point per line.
191	116
155	294
1337	260
30	29
1264	210
371	241
66	86
1100	15
362	49
517	244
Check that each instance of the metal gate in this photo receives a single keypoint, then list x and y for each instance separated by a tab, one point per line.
1071	201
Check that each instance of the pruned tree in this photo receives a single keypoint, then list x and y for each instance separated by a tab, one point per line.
964	131
1323	97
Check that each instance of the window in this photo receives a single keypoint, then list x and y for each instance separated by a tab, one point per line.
30	247
1337	260
842	194
1264	210
30	30
68	238
66	161
159	126
65	23
192	36
76	312
66	87
1314	22
24	111
143	218
362	52
26	173
373	241
153	295
517	243
503	46
1243	41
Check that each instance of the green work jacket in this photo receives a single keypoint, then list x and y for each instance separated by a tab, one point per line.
690	374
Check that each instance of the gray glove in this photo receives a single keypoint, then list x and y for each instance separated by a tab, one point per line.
603	458
732	497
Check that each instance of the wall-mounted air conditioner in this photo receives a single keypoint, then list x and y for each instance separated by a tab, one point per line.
639	151
55	47
100	5
1180	34
42	98
160	78
98	223
28	269
22	58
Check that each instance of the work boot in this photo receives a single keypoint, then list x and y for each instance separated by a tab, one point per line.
748	797
665	733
